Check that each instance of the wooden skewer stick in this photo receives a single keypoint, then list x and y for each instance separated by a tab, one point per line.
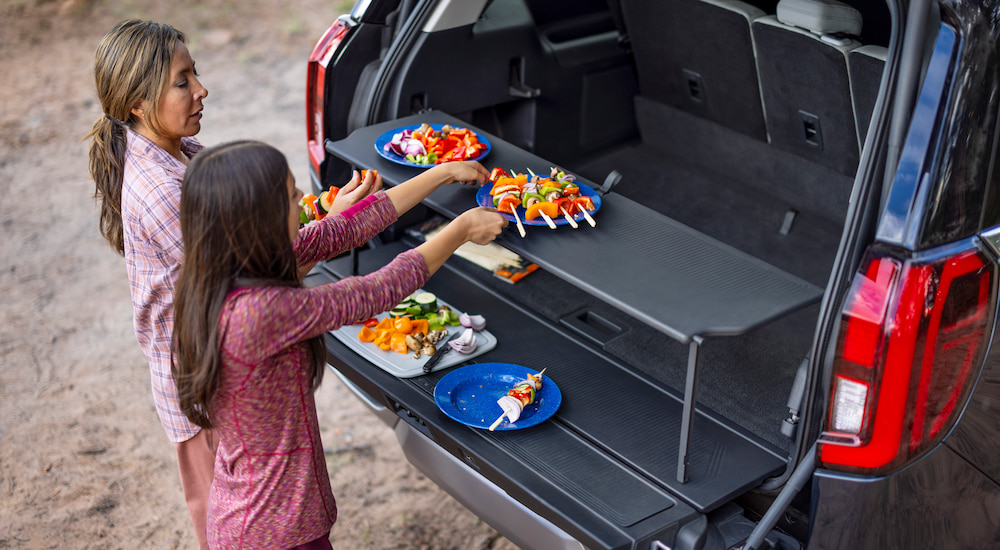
548	220
497	422
586	214
520	228
572	222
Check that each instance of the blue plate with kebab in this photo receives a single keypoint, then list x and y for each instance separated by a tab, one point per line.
469	395
484	197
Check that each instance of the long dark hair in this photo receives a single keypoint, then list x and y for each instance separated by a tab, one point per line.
132	64
234	222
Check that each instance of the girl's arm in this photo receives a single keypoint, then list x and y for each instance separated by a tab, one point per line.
480	225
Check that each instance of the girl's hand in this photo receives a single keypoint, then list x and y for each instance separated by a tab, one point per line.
481	224
355	190
467	172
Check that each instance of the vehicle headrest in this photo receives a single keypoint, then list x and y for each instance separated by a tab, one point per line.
820	16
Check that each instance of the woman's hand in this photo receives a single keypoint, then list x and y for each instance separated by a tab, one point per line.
355	190
467	172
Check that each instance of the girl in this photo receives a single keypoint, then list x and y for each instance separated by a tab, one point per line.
152	100
249	337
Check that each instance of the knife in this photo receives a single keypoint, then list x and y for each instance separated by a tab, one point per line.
445	348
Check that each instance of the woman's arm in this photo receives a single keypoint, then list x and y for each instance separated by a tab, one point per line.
352	228
409	193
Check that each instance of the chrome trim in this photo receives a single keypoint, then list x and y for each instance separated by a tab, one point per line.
991	238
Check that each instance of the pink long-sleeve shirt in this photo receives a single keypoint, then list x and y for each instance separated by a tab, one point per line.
271	487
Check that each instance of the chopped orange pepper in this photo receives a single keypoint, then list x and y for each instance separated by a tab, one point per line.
420	325
398	342
403	324
382	337
385	324
366	335
550	209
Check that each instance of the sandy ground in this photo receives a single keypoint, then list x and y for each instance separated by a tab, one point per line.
84	462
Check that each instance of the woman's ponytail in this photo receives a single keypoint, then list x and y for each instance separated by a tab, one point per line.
107	165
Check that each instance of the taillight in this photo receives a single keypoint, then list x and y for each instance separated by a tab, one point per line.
912	338
319	60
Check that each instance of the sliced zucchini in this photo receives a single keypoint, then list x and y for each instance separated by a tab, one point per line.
426	301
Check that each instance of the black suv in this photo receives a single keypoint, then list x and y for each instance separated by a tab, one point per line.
778	332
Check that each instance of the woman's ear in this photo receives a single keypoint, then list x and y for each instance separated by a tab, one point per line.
139	109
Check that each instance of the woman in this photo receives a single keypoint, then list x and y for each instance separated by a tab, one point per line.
249	337
152	101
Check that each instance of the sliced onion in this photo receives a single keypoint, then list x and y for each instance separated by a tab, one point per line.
475	322
466	343
414	147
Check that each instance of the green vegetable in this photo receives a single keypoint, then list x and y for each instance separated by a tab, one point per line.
426	301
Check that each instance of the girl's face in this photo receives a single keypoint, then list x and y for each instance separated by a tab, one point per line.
180	105
294	196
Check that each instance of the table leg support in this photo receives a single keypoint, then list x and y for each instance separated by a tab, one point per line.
687	420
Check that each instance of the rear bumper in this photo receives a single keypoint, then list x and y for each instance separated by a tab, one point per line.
519	524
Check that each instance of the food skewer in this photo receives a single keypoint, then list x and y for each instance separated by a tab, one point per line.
548	220
572	222
586	215
520	228
518	397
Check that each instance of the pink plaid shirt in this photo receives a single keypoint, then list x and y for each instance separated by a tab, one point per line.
151	197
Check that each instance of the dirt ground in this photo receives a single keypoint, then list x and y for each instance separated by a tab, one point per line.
84	462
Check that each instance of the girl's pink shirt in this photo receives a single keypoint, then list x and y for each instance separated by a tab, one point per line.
271	487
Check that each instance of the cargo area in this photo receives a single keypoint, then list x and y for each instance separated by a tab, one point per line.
727	161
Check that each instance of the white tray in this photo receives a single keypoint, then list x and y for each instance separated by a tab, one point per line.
405	366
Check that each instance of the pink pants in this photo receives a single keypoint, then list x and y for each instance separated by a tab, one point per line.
196	461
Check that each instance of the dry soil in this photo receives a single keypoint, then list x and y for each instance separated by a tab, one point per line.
84	462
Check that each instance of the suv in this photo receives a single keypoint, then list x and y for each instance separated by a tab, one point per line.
778	332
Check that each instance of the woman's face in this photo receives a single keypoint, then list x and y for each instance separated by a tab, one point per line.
180	105
294	196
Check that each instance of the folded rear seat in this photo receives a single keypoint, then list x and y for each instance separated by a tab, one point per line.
805	84
697	56
867	64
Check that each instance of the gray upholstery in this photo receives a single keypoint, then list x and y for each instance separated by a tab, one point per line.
806	90
697	56
866	63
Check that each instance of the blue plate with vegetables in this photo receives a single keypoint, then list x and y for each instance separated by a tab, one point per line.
555	195
426	145
469	395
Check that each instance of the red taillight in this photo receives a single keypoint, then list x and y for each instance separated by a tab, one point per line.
319	60
911	335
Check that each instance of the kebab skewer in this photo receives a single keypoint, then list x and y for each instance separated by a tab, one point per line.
534	180
521	395
566	215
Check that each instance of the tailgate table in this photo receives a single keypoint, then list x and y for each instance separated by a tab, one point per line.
685	284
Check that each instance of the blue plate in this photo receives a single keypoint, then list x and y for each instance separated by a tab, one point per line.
469	395
389	155
483	198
